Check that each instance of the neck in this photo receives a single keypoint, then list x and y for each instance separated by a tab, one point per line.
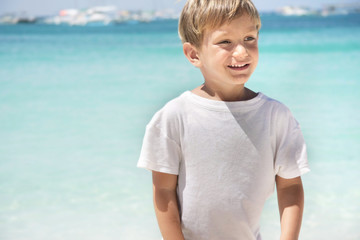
234	93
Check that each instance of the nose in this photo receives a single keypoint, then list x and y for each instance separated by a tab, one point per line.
240	51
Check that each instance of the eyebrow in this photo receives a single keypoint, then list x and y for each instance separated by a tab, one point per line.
252	28
249	29
225	33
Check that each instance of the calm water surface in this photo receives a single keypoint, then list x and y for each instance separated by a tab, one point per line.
74	102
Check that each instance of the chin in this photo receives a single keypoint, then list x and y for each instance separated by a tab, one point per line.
240	81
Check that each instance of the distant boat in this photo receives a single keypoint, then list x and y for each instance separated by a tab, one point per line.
101	15
334	9
341	9
10	19
26	20
7	19
296	11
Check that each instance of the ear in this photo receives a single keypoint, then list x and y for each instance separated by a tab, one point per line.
192	54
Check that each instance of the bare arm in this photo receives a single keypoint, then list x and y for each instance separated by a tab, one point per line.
166	207
291	204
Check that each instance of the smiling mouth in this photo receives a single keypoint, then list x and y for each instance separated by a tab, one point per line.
238	67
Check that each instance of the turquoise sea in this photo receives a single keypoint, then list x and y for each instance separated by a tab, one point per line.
74	102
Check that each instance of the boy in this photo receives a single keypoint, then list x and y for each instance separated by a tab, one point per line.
217	151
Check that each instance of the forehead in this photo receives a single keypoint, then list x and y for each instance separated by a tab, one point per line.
241	24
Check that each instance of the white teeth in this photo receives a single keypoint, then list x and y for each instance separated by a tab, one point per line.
237	66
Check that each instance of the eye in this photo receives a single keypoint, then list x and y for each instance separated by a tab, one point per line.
225	42
250	39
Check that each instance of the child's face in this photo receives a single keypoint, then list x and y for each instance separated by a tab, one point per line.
229	54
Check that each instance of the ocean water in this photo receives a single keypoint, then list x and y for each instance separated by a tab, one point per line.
74	102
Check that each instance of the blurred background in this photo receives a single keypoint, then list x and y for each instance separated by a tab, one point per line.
79	80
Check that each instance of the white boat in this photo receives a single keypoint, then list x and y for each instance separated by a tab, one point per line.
96	15
295	11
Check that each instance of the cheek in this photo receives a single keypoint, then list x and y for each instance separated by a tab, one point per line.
215	58
222	57
253	48
255	53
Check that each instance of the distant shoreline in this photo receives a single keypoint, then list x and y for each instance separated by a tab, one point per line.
109	15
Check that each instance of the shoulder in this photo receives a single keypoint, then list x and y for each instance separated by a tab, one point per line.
171	111
280	115
169	119
278	108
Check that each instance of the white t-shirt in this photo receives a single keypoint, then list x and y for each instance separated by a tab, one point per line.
226	156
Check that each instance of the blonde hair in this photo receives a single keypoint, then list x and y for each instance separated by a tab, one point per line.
200	15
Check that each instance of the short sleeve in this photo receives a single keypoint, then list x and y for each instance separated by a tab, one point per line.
161	150
290	154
